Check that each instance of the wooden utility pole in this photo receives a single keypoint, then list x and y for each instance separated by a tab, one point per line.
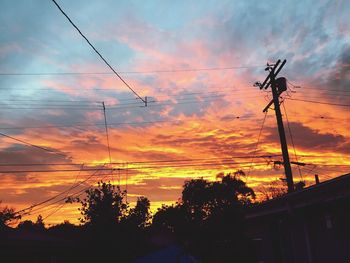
277	87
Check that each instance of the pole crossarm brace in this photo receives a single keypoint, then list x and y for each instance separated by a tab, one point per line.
267	82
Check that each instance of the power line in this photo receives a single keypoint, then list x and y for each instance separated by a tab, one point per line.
59	207
52	170
213	89
47	108
325	96
86	125
315	88
83	190
257	143
79	192
59	194
32	145
150	166
73	195
291	138
106	129
50	100
175	161
153	161
97	52
182	97
121	106
153	103
79	124
119	169
178	70
320	102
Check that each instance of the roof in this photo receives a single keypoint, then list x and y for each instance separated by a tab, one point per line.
325	192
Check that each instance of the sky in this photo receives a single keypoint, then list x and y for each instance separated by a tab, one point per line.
196	62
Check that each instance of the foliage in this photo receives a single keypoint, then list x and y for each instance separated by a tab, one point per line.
202	198
140	215
210	219
103	205
40	222
26	225
7	215
30	225
170	217
274	189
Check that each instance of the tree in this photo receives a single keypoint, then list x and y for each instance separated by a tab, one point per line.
40	222
203	198
67	230
103	205
30	225
216	219
196	196
171	217
274	189
26	225
232	190
140	215
7	215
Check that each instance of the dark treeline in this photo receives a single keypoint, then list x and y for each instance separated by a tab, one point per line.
207	224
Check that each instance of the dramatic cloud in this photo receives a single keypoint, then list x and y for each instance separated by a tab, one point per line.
161	49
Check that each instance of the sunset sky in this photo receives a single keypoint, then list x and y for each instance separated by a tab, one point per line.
196	61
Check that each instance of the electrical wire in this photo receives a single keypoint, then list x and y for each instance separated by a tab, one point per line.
257	143
178	70
122	106
320	102
158	166
59	194
153	161
32	145
106	129
60	206
79	124
97	52
171	161
292	141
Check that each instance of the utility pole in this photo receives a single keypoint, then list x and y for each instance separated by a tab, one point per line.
277	87
106	129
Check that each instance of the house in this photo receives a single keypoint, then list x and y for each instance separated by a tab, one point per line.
310	225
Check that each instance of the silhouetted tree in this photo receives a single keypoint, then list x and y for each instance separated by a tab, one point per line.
171	217
103	205
40	222
210	218
140	215
26	225
273	189
203	198
7	215
68	231
65	226
33	226
232	190
196	198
